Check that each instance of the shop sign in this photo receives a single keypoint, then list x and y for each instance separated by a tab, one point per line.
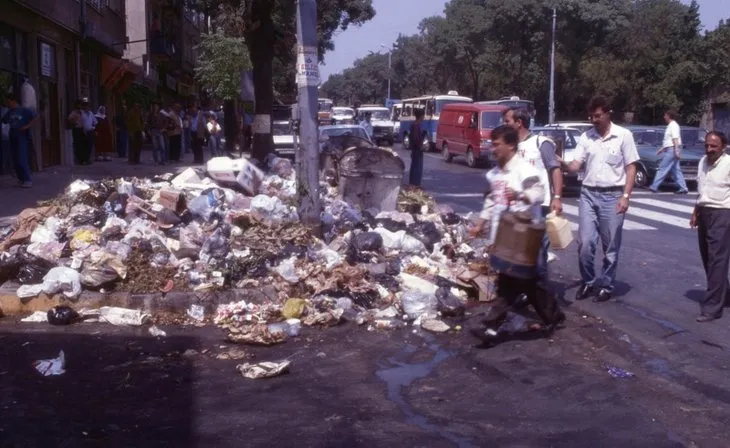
48	61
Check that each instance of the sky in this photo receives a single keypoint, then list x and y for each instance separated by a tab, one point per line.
403	16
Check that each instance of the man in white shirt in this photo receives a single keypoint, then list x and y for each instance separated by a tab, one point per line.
672	150
515	184
609	154
365	123
712	218
539	152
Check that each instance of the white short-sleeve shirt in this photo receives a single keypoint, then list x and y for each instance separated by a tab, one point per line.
670	133
606	158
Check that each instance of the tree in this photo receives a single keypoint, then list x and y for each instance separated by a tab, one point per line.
269	30
221	61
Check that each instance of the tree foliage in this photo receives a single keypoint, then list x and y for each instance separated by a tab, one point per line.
220	64
646	55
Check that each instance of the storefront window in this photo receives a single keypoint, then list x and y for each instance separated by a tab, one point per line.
7	49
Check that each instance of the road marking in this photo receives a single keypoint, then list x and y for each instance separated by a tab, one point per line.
664	204
572	210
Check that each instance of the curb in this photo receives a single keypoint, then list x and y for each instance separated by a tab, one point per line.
170	303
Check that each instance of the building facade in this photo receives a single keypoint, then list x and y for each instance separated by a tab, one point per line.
163	35
65	50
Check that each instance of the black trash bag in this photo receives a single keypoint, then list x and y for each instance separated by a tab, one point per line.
450	219
426	232
33	269
448	304
368	241
9	267
62	315
259	267
393	267
97	218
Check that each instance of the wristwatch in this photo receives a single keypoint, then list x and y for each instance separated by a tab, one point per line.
626	195
557	196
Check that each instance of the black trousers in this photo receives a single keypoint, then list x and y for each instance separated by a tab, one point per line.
543	301
175	147
713	231
81	144
197	146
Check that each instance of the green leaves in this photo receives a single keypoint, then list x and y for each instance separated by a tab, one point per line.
220	64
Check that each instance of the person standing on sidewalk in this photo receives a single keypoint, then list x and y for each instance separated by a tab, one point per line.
122	135
672	150
75	122
539	152
609	154
89	122
415	145
19	119
711	217
174	133
135	130
104	139
214	132
156	124
197	129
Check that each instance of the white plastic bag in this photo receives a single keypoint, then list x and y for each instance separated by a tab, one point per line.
62	279
271	210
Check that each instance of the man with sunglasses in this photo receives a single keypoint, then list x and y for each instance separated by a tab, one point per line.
609	154
711	217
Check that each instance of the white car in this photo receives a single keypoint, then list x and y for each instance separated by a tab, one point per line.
582	126
381	122
343	115
283	138
567	138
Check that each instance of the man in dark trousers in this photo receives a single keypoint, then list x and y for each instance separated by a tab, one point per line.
711	217
20	119
415	144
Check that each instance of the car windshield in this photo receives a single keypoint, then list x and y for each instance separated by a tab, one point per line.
281	128
343	111
569	137
491	119
376	114
693	136
354	131
648	137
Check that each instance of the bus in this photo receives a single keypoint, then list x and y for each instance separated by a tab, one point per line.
431	105
324	111
514	102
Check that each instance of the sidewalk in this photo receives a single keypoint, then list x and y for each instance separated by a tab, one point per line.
52	181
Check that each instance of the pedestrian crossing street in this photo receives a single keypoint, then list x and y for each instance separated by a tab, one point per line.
647	210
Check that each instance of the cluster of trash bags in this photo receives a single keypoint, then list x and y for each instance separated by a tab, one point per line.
230	225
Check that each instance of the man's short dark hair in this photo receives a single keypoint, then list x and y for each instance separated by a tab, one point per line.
520	114
600	102
418	113
719	134
672	113
11	97
506	133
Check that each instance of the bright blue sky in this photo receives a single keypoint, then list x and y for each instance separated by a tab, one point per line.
403	16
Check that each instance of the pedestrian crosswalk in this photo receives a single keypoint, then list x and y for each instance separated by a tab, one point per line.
648	211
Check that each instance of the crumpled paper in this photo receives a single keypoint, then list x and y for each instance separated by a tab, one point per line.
256	334
54	366
266	369
122	316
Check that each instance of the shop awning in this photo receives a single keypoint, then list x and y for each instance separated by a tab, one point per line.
117	74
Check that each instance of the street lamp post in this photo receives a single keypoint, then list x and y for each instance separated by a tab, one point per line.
390	53
551	112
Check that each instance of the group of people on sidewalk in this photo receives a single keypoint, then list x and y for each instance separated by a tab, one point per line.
528	178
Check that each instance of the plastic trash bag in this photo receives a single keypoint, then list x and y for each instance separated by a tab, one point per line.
448	304
368	241
62	280
33	270
451	219
47	232
205	205
270	210
215	247
62	315
50	252
417	303
287	270
192	237
425	232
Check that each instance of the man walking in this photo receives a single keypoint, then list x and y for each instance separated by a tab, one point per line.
197	129
541	154
19	120
415	145
135	127
609	154
671	148
712	218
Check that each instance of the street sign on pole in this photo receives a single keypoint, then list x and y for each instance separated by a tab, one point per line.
551	112
307	154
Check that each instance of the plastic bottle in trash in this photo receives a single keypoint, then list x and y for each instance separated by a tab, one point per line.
417	303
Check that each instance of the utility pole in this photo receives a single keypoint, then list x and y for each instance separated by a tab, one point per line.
307	154
551	112
390	54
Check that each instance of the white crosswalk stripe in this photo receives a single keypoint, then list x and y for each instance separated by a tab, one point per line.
572	212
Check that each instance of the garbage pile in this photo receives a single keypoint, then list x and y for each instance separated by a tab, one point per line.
232	226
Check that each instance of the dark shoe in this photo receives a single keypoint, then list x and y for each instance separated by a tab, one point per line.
604	295
682	192
583	292
702	318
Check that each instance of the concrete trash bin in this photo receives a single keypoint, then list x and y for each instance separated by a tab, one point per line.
370	178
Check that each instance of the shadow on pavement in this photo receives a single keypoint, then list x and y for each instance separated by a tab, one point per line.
116	391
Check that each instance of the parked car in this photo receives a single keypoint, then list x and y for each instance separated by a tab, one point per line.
283	138
581	126
465	129
649	140
340	131
343	115
566	140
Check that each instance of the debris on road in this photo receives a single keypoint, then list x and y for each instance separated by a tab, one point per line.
618	372
266	369
54	366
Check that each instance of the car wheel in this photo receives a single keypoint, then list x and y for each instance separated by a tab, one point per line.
406	142
446	154
426	145
471	161
641	179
